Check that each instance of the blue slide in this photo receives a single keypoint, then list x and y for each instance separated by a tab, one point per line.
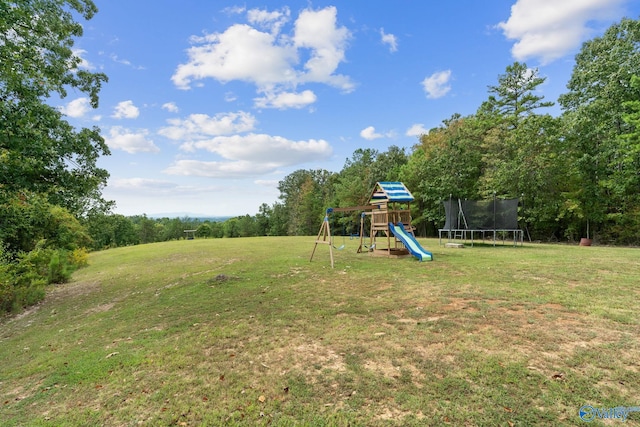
410	242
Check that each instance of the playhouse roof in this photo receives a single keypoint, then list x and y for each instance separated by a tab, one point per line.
391	192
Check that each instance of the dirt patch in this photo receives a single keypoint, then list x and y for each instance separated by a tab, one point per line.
396	414
395	370
100	308
460	304
54	294
308	358
17	394
26	313
384	368
72	290
541	336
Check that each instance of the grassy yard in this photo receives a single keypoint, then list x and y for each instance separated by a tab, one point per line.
249	332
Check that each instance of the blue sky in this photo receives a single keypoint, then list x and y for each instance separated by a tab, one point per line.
210	103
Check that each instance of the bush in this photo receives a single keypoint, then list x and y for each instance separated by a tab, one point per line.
27	219
7	290
59	268
25	296
23	281
79	257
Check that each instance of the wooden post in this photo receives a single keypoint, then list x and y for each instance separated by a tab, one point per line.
324	237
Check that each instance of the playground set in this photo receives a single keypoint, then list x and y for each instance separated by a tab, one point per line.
390	230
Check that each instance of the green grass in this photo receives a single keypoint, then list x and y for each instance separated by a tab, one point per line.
249	332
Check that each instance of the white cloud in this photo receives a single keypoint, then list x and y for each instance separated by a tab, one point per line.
284	100
262	148
416	129
271	183
170	107
200	126
126	62
370	133
214	169
389	39
240	53
550	29
142	184
270	60
249	155
76	108
318	31
130	141
240	155
437	84
151	188
269	20
234	10
125	110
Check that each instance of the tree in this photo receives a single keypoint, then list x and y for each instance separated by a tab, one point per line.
356	179
524	153
305	195
448	161
110	230
173	228
278	220
204	230
39	150
246	226
625	176
146	229
626	170
533	164
217	230
594	110
387	165
263	220
29	220
231	227
514	99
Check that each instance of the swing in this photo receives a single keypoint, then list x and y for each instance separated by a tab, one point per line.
341	247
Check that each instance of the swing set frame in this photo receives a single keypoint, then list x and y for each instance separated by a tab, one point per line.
324	235
389	203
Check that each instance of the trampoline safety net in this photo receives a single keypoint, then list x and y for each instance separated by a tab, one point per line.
493	214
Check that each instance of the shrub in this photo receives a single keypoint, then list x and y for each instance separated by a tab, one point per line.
7	290
25	296
23	280
79	257
28	218
59	268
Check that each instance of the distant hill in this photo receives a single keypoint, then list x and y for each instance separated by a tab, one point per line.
198	217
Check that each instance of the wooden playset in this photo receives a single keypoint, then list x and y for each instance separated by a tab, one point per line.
390	229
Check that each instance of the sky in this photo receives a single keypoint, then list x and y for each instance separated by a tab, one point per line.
210	104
